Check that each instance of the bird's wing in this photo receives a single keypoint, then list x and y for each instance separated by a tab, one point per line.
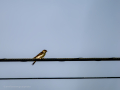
38	55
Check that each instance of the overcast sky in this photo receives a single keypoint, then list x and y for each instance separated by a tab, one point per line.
66	29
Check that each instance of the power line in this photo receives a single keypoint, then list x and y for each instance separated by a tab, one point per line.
61	78
59	59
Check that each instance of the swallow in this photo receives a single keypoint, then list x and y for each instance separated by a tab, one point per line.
40	56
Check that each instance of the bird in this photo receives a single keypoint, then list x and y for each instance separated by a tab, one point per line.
40	56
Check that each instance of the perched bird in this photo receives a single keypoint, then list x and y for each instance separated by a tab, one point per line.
40	56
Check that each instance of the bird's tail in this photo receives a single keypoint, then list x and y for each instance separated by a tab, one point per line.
33	63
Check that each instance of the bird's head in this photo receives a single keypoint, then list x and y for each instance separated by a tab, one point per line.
44	51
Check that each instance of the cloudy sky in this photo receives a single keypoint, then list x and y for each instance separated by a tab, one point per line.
66	29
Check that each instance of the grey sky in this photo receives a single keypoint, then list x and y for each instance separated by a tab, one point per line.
66	29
